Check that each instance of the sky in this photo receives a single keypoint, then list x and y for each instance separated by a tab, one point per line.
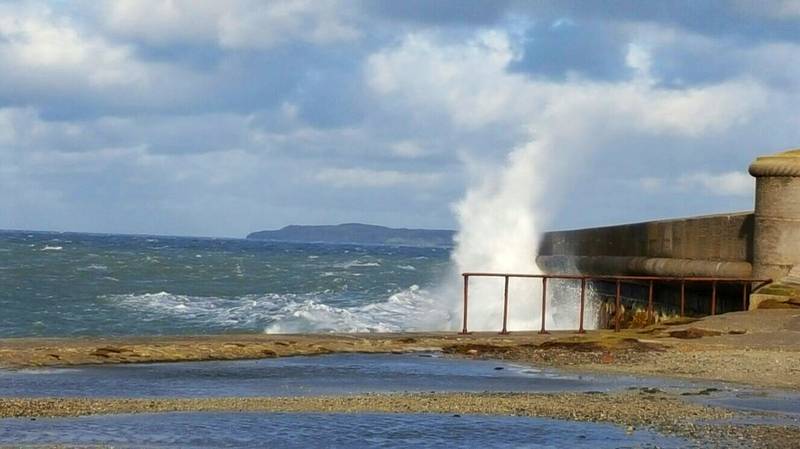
209	118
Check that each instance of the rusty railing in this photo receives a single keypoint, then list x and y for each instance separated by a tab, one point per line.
746	283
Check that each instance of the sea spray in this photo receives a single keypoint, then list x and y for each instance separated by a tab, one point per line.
500	222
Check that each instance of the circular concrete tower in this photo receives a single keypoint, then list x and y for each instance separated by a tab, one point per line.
776	233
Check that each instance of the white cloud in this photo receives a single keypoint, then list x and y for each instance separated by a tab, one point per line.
44	54
34	40
733	183
470	82
366	178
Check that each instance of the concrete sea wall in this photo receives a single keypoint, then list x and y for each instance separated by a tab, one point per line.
715	245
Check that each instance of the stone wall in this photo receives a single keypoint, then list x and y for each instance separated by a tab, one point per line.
714	245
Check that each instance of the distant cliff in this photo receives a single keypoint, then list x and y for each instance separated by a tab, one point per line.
358	233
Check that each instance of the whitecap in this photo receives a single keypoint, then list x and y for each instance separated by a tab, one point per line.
94	267
358	263
407	267
406	310
52	248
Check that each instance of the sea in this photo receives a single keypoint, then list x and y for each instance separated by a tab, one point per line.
77	284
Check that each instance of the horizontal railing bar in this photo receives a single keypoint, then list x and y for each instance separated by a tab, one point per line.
619	278
746	282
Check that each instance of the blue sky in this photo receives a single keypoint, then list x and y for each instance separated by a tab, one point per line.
219	118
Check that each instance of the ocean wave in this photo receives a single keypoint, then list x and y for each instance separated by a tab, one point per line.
411	309
94	267
407	267
52	248
358	264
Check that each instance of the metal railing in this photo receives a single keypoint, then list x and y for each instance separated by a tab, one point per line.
746	283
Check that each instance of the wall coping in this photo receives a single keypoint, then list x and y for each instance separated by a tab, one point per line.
661	220
785	164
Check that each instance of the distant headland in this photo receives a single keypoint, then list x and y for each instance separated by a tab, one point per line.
358	233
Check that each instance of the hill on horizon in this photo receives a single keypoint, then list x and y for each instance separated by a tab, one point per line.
358	233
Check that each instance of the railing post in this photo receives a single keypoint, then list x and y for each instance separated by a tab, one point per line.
466	294
583	299
650	303
505	308
714	298
744	296
683	296
617	308
544	305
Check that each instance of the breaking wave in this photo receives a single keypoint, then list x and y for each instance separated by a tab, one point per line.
412	309
358	264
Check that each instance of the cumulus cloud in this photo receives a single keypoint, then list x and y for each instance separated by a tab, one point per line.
470	82
35	44
58	63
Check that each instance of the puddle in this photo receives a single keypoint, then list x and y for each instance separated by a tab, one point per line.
291	376
304	430
786	404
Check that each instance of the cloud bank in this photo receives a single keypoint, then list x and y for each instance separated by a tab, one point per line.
212	118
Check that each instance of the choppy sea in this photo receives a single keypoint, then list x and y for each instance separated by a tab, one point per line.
74	284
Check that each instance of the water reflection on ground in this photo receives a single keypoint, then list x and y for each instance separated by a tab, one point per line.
292	430
291	376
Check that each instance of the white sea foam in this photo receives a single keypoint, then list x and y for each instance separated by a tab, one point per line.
52	248
407	267
411	309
